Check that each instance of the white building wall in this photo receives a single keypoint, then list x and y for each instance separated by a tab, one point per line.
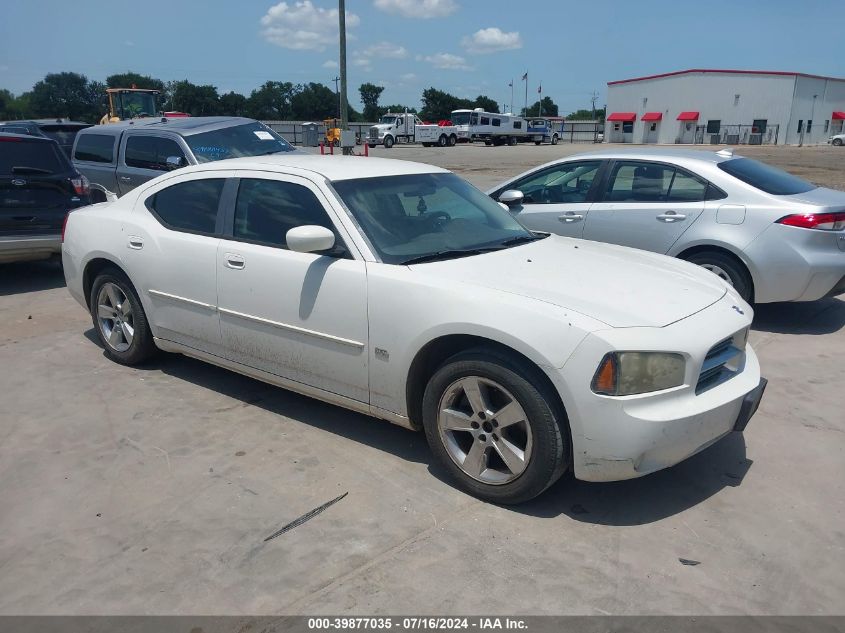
779	99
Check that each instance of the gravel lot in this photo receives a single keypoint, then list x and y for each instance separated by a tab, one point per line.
151	490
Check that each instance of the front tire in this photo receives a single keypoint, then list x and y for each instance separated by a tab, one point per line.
493	428
554	139
729	269
388	142
837	142
119	319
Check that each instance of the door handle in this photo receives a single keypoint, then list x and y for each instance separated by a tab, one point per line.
234	261
671	216
125	179
569	217
136	242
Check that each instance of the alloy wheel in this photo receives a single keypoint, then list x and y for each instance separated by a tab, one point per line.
719	272
485	430
115	317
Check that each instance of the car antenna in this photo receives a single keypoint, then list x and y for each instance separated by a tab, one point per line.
727	152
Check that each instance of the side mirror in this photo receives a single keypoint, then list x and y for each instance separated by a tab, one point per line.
174	162
309	239
512	197
101	194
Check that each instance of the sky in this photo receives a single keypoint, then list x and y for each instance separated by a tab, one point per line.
465	47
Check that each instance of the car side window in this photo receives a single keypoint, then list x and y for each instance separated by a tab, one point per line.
267	209
151	152
564	183
639	182
95	148
189	206
687	188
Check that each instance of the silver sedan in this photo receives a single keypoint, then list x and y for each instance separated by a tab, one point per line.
771	235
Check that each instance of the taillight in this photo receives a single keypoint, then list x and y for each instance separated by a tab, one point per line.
81	185
823	221
64	226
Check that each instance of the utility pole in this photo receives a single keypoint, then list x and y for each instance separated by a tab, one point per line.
337	92
593	98
344	118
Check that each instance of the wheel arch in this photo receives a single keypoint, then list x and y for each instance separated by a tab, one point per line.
735	254
93	268
434	353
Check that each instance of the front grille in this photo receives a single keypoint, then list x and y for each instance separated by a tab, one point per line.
373	133
721	363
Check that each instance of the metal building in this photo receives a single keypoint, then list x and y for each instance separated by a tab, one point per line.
725	106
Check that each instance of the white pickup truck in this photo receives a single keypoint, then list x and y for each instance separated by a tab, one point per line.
406	127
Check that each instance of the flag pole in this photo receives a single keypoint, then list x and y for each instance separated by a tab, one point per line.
525	77
511	105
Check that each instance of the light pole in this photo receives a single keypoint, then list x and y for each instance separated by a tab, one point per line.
344	118
337	92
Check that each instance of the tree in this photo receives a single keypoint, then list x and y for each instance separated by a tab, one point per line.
130	79
313	101
67	95
549	108
438	105
586	115
370	94
272	101
233	104
193	99
486	103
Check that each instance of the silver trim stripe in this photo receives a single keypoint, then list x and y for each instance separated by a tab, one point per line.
293	328
165	295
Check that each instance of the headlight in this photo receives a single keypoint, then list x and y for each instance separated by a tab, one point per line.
629	373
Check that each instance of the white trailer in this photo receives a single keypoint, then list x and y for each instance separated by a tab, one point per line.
406	127
492	128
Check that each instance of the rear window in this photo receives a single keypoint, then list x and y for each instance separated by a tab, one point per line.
96	148
249	139
64	134
765	177
21	157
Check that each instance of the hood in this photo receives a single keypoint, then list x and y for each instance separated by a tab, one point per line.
820	196
622	287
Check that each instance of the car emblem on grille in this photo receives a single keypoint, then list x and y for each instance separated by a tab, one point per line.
19	182
738	309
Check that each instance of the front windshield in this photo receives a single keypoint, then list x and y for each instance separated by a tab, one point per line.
460	118
135	104
413	216
249	139
387	119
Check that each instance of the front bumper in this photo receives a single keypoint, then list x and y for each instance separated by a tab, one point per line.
18	248
615	438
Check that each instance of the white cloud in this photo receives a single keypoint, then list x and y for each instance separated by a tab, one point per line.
385	50
491	40
302	26
329	64
420	9
129	43
408	77
447	61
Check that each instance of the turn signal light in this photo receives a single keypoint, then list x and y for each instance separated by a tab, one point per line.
823	221
604	381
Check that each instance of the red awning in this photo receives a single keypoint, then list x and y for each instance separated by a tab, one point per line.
623	116
651	116
688	116
838	116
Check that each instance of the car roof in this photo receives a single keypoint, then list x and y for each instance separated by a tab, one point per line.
28	137
660	154
184	126
334	168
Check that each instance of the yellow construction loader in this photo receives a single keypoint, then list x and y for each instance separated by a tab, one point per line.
130	103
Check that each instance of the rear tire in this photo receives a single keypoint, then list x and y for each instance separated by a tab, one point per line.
494	427
537	142
453	140
119	319
554	139
512	141
442	141
371	145
729	269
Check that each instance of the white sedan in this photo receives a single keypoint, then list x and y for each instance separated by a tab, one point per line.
398	290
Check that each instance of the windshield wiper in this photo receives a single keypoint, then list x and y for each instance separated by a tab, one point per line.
522	239
30	170
449	254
